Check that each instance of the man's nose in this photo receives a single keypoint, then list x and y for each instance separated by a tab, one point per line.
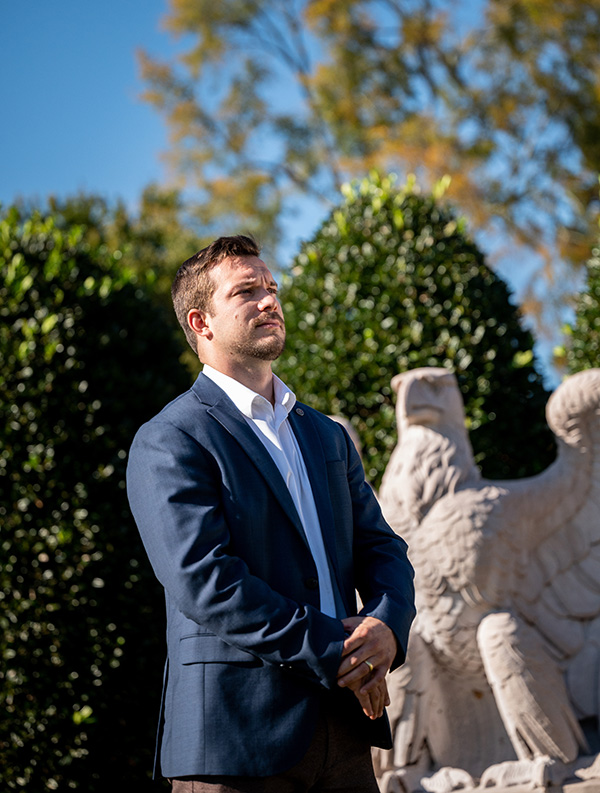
268	302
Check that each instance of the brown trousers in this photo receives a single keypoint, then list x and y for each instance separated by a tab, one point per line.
336	762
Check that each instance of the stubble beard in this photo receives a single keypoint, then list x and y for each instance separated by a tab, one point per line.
267	349
266	352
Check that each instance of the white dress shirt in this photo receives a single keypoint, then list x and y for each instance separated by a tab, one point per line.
271	425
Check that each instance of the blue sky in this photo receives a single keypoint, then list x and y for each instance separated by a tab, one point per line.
72	117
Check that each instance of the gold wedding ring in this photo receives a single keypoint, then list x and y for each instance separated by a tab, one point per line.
370	665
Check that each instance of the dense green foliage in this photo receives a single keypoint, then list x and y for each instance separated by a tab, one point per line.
582	350
85	357
155	240
390	282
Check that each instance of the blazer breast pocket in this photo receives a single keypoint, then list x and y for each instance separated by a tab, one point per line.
207	648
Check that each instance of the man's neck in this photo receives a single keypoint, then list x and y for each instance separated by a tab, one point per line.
257	378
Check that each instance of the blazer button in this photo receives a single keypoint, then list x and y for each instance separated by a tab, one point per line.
311	583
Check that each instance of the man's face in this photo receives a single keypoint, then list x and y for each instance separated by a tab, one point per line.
245	317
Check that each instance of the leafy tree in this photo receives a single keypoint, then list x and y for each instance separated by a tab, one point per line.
582	348
390	282
85	357
272	102
154	241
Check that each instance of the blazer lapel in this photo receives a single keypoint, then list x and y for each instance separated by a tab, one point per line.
224	411
311	446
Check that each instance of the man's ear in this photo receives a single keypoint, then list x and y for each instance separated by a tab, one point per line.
197	320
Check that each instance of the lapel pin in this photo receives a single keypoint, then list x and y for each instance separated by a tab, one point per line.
299	411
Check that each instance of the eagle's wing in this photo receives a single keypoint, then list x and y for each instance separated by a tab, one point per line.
556	587
409	712
458	549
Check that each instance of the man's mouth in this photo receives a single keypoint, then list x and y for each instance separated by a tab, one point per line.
271	322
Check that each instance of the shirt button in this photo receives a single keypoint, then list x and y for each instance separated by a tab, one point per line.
311	583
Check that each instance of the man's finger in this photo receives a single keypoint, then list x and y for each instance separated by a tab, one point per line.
373	703
364	662
361	673
376	679
354	674
378	697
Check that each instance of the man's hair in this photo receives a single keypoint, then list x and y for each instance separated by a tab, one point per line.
193	286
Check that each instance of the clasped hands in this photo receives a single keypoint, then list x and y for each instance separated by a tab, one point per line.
368	653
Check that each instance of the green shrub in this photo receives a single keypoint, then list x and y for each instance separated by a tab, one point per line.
85	357
390	282
582	348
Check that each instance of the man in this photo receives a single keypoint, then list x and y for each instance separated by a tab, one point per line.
258	522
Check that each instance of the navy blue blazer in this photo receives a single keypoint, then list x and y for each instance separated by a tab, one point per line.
250	656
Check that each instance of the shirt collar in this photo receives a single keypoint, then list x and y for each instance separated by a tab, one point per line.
249	402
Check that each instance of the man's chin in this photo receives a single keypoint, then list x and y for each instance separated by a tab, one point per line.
266	350
271	353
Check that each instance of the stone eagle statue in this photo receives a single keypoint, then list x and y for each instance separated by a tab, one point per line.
503	664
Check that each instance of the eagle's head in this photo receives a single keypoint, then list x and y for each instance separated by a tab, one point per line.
430	397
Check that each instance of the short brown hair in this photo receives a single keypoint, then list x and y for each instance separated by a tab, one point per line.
193	287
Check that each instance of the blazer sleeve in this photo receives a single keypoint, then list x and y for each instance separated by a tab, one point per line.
384	576
174	488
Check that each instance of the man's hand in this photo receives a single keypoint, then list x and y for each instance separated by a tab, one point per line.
373	702
367	656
